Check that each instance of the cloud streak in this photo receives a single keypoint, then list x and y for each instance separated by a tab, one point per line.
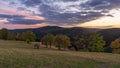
26	15
73	11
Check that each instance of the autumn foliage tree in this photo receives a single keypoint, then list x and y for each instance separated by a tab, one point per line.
115	45
62	41
48	40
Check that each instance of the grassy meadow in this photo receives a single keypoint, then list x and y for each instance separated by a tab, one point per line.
18	54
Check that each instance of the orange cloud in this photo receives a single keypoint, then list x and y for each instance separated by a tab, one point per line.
27	16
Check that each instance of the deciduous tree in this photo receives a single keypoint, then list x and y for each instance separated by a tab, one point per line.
4	33
48	40
28	36
115	45
91	42
62	41
96	43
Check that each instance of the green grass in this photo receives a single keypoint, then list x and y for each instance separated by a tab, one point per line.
21	55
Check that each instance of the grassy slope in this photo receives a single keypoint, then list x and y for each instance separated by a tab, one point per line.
20	55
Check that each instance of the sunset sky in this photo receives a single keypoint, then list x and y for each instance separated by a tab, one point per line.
19	14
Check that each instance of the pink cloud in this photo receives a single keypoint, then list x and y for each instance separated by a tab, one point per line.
27	16
4	3
21	26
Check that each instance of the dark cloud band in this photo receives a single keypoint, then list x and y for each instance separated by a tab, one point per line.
68	11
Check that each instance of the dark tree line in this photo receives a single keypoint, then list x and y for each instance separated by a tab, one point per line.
87	41
27	36
90	42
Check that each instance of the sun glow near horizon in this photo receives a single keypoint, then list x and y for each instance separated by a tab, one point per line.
112	21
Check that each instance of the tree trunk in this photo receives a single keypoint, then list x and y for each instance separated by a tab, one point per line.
59	48
50	45
64	48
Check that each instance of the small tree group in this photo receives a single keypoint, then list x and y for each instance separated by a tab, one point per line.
6	35
60	41
27	36
91	42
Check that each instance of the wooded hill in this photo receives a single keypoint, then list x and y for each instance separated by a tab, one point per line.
40	32
109	35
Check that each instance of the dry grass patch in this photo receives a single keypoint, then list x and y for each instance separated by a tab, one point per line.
21	55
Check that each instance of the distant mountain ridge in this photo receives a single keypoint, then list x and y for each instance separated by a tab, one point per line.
40	32
52	28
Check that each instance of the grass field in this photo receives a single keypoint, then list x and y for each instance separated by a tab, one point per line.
21	55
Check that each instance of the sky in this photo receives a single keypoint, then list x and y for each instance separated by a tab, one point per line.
21	14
